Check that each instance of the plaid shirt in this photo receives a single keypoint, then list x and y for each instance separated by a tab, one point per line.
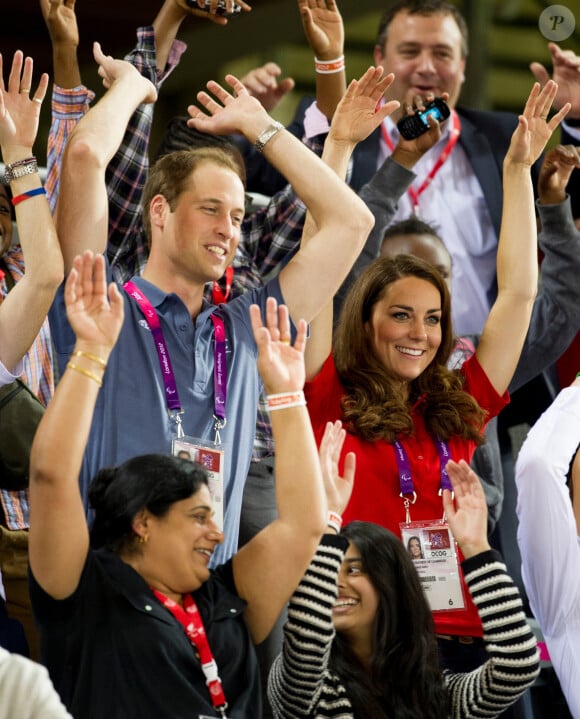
39	376
269	236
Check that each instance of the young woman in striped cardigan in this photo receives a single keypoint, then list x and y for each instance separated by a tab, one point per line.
359	640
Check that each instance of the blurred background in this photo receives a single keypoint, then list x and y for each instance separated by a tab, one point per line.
504	38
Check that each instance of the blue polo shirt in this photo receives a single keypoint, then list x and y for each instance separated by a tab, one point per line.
131	416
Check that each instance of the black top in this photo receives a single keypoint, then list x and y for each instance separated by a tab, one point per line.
112	650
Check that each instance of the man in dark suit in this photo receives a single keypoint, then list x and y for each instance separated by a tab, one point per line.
458	187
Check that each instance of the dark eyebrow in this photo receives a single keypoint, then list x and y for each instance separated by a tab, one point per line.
412	309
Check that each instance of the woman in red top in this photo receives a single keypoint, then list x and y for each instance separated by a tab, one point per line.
387	375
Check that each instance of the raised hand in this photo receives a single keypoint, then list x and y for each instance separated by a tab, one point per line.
558	164
408	152
212	12
61	21
338	489
323	28
238	112
281	366
112	70
357	115
263	84
468	516
566	72
534	129
95	313
19	112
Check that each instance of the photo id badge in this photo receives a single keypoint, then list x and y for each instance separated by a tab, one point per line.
211	456
433	550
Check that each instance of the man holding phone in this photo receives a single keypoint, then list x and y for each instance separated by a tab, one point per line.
458	185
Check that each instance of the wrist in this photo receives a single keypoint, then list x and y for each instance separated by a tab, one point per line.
551	198
16	153
471	550
285	400
406	158
334	521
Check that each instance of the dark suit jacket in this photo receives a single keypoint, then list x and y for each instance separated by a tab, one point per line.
485	138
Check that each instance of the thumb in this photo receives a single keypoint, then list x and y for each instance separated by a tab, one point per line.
539	72
284	87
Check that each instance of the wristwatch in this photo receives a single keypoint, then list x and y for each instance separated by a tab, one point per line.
21	168
267	134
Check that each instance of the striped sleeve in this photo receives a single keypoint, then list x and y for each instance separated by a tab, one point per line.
513	662
299	676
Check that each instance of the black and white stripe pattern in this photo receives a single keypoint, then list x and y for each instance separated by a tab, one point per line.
301	686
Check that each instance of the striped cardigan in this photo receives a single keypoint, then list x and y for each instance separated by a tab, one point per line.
301	685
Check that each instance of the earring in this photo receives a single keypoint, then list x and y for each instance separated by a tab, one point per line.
143	539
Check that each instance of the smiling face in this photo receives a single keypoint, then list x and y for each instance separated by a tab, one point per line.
179	545
200	236
405	327
357	603
414	547
425	54
5	221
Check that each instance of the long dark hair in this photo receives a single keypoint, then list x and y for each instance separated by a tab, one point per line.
372	408
150	481
404	681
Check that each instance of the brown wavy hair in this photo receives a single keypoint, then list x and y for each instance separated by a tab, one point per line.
372	407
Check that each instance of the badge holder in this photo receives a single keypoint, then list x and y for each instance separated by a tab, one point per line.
211	456
433	550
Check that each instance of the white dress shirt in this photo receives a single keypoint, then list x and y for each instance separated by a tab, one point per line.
455	205
548	537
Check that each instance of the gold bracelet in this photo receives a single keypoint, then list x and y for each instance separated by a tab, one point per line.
86	373
95	358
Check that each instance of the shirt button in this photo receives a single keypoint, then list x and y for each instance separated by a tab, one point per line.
183	327
420	456
148	608
232	611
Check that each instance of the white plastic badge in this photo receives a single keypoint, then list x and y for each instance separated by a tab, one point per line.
211	456
434	553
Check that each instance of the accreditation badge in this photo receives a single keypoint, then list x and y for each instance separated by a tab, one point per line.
211	456
433	550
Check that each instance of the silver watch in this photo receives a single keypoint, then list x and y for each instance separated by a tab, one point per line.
267	135
15	170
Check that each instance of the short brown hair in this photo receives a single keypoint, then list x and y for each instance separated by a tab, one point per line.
170	176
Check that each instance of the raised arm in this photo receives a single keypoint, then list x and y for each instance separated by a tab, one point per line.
91	145
278	555
342	219
59	537
556	313
324	31
25	308
517	266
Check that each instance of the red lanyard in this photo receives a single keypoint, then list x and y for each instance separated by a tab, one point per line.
190	618
453	137
219	297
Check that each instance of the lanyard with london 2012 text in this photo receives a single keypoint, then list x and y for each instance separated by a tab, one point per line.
171	394
453	137
408	494
190	619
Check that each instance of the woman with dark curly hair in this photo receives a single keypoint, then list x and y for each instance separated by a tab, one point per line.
387	377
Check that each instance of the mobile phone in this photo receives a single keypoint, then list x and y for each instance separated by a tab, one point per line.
221	8
412	126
